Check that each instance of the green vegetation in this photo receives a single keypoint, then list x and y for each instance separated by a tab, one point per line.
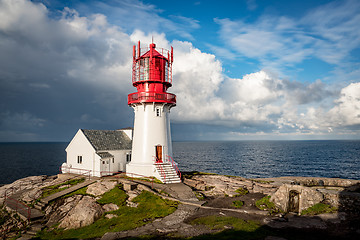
193	173
4	216
150	207
318	209
238	203
265	204
262	181
115	195
199	196
235	228
149	179
81	191
47	191
241	192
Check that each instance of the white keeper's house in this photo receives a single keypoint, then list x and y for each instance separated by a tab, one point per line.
98	152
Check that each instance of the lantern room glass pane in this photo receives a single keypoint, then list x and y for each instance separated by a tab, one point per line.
142	68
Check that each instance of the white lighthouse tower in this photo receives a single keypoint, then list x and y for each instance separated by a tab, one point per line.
151	146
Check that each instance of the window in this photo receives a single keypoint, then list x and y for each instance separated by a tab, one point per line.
103	162
113	160
79	159
158	112
128	157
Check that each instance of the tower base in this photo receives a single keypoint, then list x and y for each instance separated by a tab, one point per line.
141	170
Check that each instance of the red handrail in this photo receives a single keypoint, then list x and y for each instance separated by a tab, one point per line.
171	160
13	200
162	172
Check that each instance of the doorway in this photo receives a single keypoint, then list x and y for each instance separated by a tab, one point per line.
158	151
294	200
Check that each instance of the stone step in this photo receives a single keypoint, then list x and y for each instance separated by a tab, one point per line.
25	236
40	204
38	207
36	227
31	232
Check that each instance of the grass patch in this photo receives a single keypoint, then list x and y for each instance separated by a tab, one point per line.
150	207
149	179
81	191
319	208
231	228
193	173
47	191
115	195
241	192
238	203
266	205
199	196
222	222
262	181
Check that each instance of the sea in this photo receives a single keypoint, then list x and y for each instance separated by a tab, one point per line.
250	159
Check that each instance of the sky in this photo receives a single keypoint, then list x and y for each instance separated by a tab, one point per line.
243	70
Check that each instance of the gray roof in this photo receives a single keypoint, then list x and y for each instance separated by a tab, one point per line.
105	155
107	139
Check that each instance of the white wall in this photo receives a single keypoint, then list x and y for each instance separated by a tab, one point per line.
80	146
149	130
120	160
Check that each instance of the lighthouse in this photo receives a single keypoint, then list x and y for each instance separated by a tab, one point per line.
151	144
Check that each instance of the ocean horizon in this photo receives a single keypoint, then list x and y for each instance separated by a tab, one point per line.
245	158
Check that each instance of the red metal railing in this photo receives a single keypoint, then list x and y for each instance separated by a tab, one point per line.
138	97
158	165
79	171
171	160
14	203
18	206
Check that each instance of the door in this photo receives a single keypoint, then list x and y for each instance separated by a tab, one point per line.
158	150
294	198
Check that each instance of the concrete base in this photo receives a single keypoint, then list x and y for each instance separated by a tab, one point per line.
141	170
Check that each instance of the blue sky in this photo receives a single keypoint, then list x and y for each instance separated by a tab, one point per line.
246	69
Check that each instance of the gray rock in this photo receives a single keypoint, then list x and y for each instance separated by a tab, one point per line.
57	211
101	187
110	207
83	214
110	216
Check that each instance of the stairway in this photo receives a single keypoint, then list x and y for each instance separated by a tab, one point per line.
35	215
167	172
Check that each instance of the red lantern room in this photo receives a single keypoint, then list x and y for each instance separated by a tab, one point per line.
152	75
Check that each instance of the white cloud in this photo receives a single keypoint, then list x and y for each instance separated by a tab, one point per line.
347	109
329	33
80	66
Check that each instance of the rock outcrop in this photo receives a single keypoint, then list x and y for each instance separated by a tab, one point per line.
101	187
57	211
110	207
219	185
83	214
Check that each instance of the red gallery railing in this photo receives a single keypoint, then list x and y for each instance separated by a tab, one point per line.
139	97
